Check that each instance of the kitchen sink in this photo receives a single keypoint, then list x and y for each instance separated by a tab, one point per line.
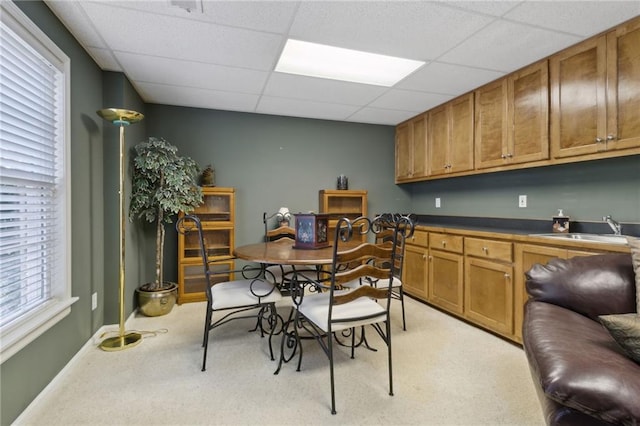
595	238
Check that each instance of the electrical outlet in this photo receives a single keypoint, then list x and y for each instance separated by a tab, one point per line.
94	301
522	201
437	203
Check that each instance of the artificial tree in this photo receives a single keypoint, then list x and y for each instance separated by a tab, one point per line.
163	184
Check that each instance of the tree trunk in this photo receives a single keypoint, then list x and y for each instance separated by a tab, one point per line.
159	248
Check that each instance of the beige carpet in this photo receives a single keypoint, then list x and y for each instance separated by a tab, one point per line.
445	373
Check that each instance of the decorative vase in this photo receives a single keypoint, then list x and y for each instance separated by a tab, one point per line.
208	177
157	302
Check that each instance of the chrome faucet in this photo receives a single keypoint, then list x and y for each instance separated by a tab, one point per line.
615	226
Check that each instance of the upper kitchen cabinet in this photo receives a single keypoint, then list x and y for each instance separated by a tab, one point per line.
511	119
595	95
450	137
411	149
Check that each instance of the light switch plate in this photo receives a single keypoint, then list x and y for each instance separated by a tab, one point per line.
437	203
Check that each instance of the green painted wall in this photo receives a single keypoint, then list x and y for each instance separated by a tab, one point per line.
586	191
275	161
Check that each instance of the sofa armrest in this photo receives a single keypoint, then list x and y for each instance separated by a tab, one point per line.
590	285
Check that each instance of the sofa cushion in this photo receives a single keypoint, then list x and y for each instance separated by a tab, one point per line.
634	245
590	285
579	365
625	329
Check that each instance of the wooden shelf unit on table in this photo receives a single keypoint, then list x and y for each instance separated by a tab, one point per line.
217	215
341	203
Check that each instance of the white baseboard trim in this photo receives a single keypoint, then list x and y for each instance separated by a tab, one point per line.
94	341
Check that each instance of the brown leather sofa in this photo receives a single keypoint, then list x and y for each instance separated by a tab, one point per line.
582	376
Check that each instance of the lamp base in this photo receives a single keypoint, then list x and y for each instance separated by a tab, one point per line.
119	343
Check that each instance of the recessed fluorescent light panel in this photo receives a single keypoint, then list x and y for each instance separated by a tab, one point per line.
319	60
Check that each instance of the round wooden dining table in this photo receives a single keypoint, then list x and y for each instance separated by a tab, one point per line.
284	253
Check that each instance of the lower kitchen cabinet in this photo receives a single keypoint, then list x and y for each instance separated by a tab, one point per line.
488	287
446	275
415	271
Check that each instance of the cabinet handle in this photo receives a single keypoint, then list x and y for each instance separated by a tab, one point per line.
485	250
503	156
611	138
444	244
599	140
509	155
430	258
507	276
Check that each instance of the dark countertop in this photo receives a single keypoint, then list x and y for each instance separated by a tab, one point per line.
519	226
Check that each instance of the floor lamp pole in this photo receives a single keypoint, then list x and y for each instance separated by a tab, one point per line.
121	118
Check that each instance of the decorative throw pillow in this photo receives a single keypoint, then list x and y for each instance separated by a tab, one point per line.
625	329
634	244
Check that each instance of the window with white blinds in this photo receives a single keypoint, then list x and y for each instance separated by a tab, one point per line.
35	281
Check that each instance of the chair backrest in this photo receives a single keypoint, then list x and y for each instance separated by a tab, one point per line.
190	223
280	232
378	260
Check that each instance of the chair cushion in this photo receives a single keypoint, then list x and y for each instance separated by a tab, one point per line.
232	294
315	307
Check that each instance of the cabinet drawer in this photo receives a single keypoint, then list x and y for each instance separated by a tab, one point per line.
419	238
488	249
446	242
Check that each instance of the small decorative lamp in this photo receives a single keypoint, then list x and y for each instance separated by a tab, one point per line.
284	216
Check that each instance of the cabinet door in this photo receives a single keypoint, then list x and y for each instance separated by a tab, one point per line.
528	112
403	152
578	108
623	84
460	148
419	129
438	136
446	280
491	125
415	271
489	294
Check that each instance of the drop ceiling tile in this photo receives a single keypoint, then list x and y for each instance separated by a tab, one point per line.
179	38
270	16
414	30
320	89
584	18
105	59
152	69
448	79
506	46
75	19
389	117
300	108
494	8
405	100
195	97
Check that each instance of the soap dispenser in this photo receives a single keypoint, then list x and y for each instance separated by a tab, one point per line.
560	222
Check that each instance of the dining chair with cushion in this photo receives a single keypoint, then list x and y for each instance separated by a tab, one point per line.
397	291
282	233
252	296
335	309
